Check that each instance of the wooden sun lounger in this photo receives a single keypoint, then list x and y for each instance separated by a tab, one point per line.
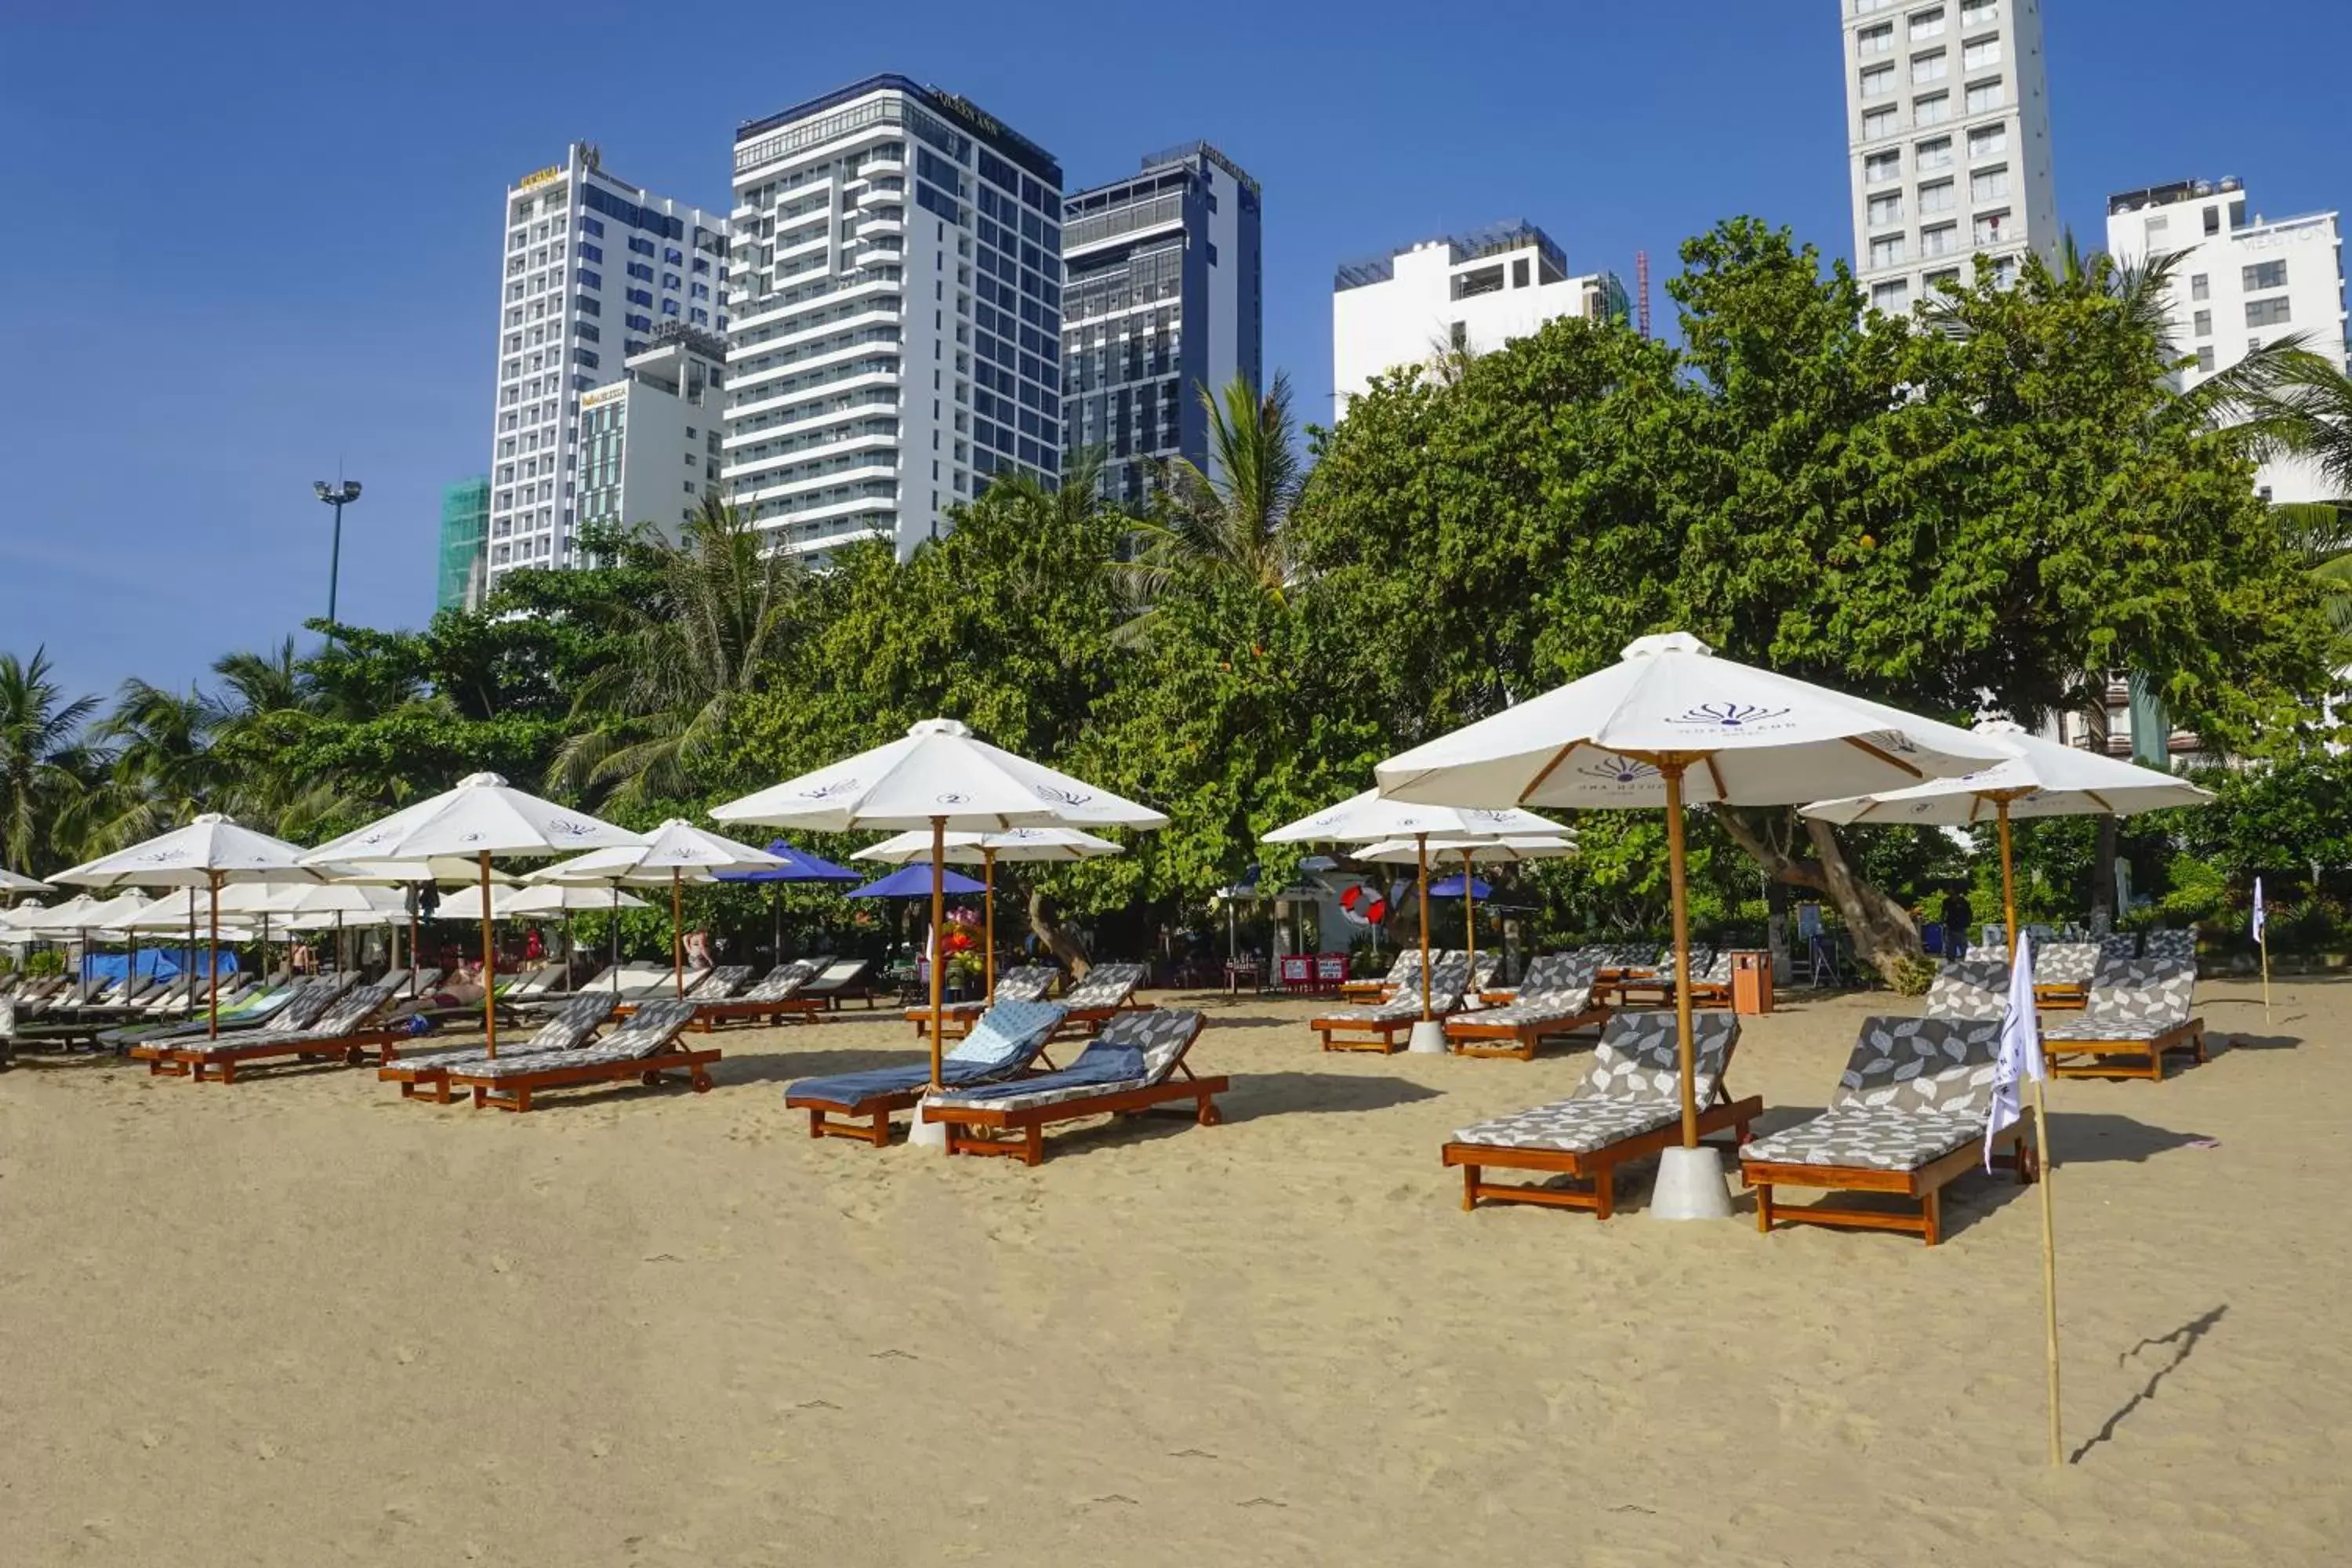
1638	1042
1865	1144
2136	1014
510	1086
344	1036
1017	1130
573	1027
1475	1035
1021	1029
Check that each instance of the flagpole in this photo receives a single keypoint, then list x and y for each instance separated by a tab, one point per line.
2041	1151
2263	941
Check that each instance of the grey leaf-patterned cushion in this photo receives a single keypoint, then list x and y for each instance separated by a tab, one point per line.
781	982
722	982
1917	1066
1575	1125
2119	947
2066	964
1406	967
2171	944
2149	995
1540	1006
1161	1033
1105	985
1405	1007
1027	982
1639	1057
1971	988
1549	972
648	1030
573	1022
1870	1139
1483	973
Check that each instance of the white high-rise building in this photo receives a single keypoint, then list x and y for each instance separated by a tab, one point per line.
591	265
1467	293
649	442
1947	113
897	294
2241	281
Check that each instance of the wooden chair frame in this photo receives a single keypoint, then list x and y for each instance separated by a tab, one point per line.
513	1092
191	1061
1018	1131
1363	1035
867	1121
1923	1184
1596	1166
2114	1058
1466	1034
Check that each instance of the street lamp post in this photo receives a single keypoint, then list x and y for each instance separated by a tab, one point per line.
335	495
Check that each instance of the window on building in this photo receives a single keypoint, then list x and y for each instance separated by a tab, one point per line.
641	245
1928	24
1934	66
1886	251
1936	280
1886	209
2263	275
1880	167
1987	142
1877	81
1991	228
1980	54
1932	109
2205	360
1936	154
2201	287
2202	323
1877	124
1877	40
1937	197
592	227
1940	239
2212	220
1519	273
1986	95
1891	297
1864	7
1973	12
1990	185
2268	312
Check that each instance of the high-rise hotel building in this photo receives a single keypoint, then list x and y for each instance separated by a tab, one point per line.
1948	119
895	292
1163	296
591	265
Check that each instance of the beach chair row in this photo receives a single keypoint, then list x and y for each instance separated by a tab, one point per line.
1561	995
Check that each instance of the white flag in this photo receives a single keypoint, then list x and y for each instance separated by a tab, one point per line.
2020	1048
2261	919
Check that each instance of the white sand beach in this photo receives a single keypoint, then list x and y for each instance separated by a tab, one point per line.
296	1321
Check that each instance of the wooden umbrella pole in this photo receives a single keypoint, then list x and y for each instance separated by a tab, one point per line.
1421	855
490	966
1470	912
211	961
414	896
2042	1147
988	932
1687	1054
677	939
938	913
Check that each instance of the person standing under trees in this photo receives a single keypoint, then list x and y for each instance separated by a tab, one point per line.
1957	918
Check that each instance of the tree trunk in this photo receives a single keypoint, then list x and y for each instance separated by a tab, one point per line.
1776	932
1058	938
2102	874
1884	936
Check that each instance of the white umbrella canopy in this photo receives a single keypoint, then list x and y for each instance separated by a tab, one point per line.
10	882
940	777
2039	778
1372	817
56	920
439	870
677	852
1515	848
1671	722
522	903
985	849
482	817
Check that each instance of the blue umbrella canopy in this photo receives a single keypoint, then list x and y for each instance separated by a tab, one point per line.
799	865
914	882
1452	888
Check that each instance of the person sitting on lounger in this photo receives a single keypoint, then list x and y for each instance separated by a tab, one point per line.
463	989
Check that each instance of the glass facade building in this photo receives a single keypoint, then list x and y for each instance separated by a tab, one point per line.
465	537
1162	297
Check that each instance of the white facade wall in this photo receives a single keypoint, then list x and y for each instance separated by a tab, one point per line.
1948	119
869	383
565	326
649	442
1445	294
2241	281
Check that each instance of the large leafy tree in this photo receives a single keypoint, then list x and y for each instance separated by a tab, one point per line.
45	768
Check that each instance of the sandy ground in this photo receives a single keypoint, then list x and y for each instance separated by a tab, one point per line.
296	1321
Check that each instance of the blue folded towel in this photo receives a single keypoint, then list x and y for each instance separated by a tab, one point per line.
1097	1064
1006	1039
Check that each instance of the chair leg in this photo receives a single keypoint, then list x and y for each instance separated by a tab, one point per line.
1469	1188
1604	1191
1764	1207
1931	1209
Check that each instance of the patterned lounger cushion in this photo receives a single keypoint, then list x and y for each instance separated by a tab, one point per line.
2066	964
1105	985
1135	1051
1634	1085
574	1021
648	1032
2146	996
1973	988
1006	1039
1868	1139
1913	1090
1406	1009
1539	1007
781	982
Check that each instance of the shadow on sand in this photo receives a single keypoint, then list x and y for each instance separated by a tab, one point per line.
2182	1343
1257	1095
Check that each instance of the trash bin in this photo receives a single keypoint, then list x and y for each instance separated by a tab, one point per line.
1751	982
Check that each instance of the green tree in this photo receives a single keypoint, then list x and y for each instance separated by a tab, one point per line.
1231	520
44	764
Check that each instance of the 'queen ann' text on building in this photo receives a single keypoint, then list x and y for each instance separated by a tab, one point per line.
896	295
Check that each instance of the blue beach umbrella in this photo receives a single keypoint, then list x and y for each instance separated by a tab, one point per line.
799	865
914	882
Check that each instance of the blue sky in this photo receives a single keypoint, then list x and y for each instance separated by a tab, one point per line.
249	242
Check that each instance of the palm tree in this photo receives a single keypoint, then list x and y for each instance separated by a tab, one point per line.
44	764
2319	534
163	772
1231	523
696	650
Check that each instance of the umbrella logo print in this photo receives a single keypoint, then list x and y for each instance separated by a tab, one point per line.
1728	716
827	790
1618	770
951	797
1065	797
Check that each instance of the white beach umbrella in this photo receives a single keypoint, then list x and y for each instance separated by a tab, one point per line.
526	903
56	920
1671	723
411	877
211	852
481	818
677	852
985	849
939	777
1509	849
1371	818
10	882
